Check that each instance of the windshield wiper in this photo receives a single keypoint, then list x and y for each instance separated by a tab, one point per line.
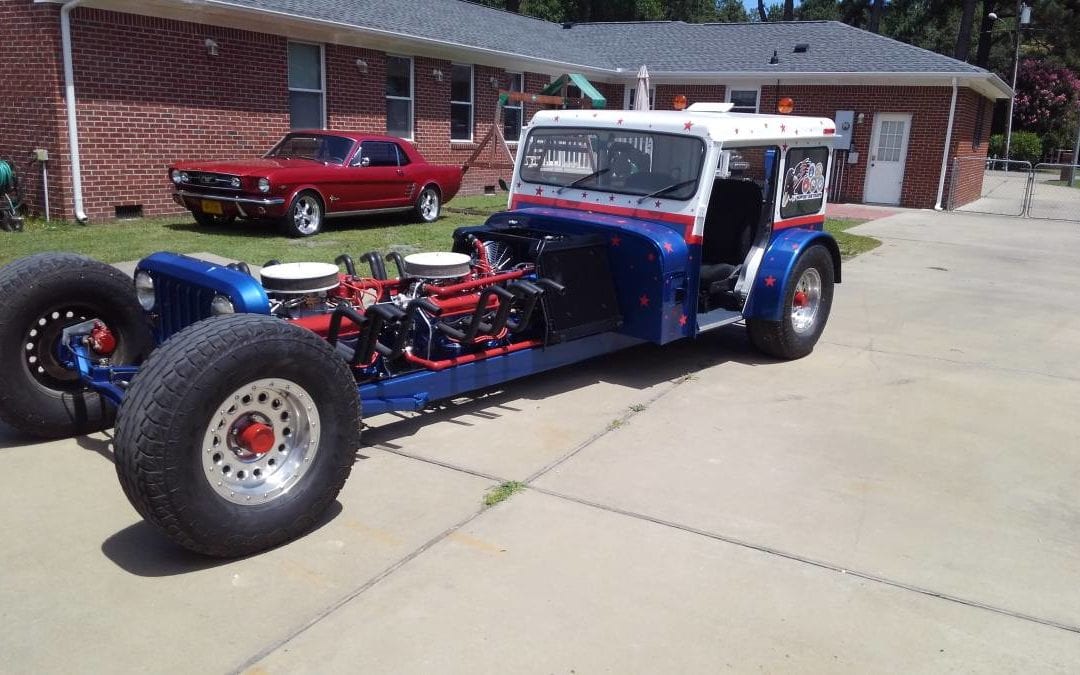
579	181
669	188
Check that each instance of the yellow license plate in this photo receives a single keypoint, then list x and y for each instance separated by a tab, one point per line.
213	207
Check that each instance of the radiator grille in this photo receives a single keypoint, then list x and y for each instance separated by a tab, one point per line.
179	305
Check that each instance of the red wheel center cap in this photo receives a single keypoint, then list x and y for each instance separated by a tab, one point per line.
800	299
257	438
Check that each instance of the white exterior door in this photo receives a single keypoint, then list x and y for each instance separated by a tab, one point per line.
888	151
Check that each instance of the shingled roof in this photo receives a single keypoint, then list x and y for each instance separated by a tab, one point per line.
617	50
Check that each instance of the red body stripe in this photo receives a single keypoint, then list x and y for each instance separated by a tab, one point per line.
796	222
644	214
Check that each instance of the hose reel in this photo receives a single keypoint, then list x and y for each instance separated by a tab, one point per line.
10	220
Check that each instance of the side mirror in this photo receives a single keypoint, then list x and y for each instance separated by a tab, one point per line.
365	161
503	186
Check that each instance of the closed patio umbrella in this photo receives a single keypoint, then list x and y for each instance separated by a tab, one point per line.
641	95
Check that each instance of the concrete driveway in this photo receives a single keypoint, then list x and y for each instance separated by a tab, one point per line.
903	500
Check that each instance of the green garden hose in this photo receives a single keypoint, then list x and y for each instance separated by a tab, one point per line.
7	177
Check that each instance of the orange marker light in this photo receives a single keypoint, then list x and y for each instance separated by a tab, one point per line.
785	106
680	102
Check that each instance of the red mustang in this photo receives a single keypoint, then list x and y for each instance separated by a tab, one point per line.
313	175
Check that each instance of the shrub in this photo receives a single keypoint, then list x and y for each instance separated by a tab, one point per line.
1026	146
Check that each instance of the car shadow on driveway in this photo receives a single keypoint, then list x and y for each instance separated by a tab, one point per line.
141	549
638	368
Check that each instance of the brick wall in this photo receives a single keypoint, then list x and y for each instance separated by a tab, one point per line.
929	109
150	93
31	103
970	144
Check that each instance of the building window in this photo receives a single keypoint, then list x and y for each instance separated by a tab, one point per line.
745	100
461	102
399	96
306	86
513	113
631	97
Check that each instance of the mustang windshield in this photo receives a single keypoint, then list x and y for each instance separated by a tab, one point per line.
629	162
316	147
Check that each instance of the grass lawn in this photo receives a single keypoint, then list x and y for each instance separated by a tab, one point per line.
255	243
851	245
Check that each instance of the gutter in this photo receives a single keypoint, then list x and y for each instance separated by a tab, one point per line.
69	99
948	143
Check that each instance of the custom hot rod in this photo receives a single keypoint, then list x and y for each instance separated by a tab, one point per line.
310	176
237	394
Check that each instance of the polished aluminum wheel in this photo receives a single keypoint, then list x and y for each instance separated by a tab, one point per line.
307	214
429	205
261	441
806	302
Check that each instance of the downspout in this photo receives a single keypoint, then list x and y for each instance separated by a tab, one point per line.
945	154
69	97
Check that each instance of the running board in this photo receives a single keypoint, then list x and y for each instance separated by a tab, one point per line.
717	318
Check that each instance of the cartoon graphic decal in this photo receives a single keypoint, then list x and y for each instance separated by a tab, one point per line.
803	182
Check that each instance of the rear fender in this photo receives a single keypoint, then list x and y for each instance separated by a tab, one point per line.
766	300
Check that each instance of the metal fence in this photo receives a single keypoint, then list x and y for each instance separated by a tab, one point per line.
1015	188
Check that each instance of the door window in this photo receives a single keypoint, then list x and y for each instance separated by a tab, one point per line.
890	140
378	153
803	190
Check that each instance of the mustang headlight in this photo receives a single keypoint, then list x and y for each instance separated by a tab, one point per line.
175	175
144	290
264	185
221	305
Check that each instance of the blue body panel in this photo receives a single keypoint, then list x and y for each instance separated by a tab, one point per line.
414	390
766	300
649	262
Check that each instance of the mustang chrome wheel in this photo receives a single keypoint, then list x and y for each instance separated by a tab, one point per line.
806	301
261	441
428	207
306	215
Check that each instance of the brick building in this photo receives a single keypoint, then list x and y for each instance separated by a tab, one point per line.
159	80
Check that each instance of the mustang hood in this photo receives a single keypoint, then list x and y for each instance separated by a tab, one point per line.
247	166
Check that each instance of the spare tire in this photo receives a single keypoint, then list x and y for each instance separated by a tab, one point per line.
40	296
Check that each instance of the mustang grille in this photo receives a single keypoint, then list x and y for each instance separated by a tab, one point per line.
179	305
220	181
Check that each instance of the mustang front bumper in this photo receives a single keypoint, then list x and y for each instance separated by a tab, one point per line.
245	207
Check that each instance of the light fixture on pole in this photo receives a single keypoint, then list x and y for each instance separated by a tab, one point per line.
1023	18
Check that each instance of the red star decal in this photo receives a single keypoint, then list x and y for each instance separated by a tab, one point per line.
620	121
518	184
682	320
594	114
794	247
615	241
687	125
539	192
784	147
770	281
668	247
644	300
796	132
766	125
611	198
584	195
651	257
736	131
783	127
556	118
657	202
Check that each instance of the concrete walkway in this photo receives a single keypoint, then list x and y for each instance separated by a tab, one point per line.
902	500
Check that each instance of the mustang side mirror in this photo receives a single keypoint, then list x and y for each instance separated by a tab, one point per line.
365	161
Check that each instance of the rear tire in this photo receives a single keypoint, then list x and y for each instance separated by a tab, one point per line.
180	454
807	303
40	296
428	205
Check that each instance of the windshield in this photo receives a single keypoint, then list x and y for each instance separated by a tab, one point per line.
628	162
316	147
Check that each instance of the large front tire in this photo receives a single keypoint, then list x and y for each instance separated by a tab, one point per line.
40	296
807	303
238	434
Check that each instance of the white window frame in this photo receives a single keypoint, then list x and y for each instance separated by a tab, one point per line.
754	88
470	102
322	76
519	105
633	87
412	95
